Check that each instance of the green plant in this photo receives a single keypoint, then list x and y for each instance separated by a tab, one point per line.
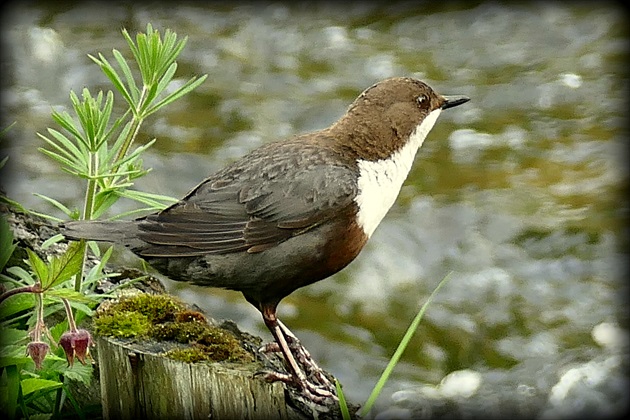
404	342
95	147
33	376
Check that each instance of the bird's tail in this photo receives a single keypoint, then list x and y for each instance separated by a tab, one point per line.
120	231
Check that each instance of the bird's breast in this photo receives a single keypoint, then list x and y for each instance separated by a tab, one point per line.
380	181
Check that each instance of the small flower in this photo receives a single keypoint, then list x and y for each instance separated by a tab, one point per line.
37	351
66	343
82	344
76	343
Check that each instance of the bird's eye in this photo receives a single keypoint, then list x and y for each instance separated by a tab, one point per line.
421	99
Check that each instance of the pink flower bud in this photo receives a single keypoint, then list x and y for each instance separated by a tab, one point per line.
77	344
67	345
37	351
82	343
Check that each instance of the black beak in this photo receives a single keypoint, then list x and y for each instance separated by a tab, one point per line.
451	101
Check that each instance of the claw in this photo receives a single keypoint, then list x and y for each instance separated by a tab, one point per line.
271	347
304	374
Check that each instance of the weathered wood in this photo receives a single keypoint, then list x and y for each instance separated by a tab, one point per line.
138	384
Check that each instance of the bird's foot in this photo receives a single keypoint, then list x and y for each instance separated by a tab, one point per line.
311	368
304	374
313	392
313	382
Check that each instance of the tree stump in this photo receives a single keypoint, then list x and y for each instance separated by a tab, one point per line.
140	384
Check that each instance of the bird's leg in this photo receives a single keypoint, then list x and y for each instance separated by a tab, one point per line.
305	358
300	352
312	391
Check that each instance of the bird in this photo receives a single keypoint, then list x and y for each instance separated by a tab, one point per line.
289	213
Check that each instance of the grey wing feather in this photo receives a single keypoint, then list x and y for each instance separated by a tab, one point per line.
225	214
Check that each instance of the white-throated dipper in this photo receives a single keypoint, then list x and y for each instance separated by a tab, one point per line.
289	213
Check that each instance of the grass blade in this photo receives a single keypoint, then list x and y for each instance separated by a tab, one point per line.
399	351
343	405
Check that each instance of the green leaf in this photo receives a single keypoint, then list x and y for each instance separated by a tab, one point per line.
64	267
55	203
12	391
115	126
6	242
94	248
14	204
10	336
77	372
93	116
122	136
20	273
52	240
80	373
124	67
57	330
149	97
6	129
140	53
39	267
105	115
113	76
47	216
132	45
76	151
96	272
65	149
186	88
67	122
134	155
166	78
7	361
57	157
103	201
69	294
152	200
81	307
31	385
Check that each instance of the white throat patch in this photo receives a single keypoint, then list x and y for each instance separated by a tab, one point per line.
380	181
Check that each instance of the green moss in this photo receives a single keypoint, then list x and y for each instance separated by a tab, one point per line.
181	332
122	325
188	355
223	352
157	308
190	316
164	318
217	344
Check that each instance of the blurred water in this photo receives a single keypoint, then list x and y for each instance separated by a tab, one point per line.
518	192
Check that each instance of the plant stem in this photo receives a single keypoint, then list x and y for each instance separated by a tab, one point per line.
88	211
136	122
78	278
39	325
35	288
90	191
71	323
